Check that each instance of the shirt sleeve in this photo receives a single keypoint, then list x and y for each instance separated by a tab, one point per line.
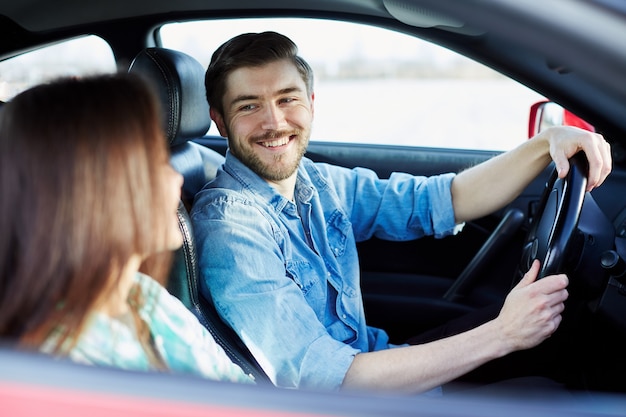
244	271
403	207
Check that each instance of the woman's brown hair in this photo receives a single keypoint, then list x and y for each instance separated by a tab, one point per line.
80	182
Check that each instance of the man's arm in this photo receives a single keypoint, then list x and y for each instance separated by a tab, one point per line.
531	313
489	186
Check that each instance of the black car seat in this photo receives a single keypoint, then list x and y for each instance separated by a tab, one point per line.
179	82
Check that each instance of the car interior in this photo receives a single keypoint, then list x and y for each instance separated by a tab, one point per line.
410	287
178	79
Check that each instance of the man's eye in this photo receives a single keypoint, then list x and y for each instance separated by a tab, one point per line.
287	100
247	107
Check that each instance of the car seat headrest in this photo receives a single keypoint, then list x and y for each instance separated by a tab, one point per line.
179	83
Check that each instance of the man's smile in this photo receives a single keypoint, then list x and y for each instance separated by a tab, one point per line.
276	143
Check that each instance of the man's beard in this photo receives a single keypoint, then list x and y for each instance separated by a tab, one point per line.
279	169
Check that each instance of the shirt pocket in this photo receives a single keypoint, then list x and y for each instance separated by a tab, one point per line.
338	229
301	272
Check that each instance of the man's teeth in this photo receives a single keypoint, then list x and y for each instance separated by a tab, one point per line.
274	143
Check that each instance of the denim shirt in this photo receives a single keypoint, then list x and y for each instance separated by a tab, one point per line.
285	275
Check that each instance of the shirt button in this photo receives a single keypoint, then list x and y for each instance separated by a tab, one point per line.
343	316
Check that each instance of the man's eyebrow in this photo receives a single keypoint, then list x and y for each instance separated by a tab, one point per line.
248	97
289	90
242	98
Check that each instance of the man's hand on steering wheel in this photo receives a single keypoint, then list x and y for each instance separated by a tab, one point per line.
582	162
532	310
567	141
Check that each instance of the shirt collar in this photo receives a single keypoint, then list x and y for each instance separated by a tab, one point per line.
262	190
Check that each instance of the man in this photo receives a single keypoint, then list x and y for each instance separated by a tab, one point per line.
277	234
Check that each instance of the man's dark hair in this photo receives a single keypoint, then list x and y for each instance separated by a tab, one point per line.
250	50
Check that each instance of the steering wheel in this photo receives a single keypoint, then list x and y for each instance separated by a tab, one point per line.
553	229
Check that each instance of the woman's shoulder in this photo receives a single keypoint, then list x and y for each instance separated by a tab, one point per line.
153	294
159	307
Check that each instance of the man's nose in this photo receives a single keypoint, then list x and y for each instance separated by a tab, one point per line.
273	117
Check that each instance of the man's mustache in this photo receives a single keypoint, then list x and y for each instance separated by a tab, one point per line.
274	134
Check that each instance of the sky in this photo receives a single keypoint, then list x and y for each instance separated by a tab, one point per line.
319	40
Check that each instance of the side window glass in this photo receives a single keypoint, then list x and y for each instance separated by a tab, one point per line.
376	86
75	57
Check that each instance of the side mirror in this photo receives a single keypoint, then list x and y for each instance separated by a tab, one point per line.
545	114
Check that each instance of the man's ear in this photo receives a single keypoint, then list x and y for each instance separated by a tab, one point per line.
219	121
312	106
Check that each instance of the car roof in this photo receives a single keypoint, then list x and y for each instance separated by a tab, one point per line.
66	13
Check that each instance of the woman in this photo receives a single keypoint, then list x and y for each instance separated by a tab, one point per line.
88	195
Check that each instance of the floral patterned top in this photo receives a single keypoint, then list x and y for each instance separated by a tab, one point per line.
182	343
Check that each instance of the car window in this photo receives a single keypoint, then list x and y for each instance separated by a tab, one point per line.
79	56
373	85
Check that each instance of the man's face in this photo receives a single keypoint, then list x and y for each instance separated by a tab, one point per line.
267	118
